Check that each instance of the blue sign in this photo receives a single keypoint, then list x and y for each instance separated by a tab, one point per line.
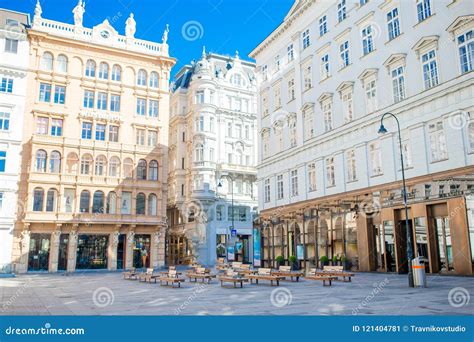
230	253
233	232
256	248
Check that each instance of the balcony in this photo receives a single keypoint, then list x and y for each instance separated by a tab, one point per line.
92	218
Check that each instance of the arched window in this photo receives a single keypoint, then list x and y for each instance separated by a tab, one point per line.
104	71
152	202
47	61
140	204
85	201
153	170
86	164
41	161
116	73
90	68
114	167
154	80
141	78
112	203
198	152
100	165
98	203
55	162
128	168
61	64
51	199
141	169
38	198
71	163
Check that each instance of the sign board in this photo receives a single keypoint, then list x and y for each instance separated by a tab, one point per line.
233	233
230	253
299	252
256	248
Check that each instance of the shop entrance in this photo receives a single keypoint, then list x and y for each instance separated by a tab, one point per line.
443	244
121	251
242	249
177	248
38	257
92	251
141	251
401	237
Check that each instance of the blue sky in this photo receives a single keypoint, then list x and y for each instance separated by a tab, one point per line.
223	26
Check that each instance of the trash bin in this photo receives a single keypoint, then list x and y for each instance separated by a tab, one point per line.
419	273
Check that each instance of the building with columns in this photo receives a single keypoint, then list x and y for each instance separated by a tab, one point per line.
94	169
14	58
212	153
329	184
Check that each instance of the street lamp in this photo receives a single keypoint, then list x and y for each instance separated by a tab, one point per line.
219	185
383	130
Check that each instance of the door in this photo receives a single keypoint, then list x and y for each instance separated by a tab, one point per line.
121	252
402	255
443	243
62	257
38	257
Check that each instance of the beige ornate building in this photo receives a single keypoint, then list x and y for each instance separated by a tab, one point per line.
94	169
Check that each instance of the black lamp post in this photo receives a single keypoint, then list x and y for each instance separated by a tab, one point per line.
383	130
219	185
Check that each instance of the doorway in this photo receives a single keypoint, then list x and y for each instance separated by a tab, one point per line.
401	237
443	243
121	252
38	257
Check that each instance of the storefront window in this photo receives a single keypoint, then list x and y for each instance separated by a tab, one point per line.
141	251
92	251
38	257
220	245
443	235
389	246
470	222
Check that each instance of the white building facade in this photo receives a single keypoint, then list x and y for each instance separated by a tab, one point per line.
14	52
328	73
212	158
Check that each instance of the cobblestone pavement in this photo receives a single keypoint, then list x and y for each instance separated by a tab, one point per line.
106	293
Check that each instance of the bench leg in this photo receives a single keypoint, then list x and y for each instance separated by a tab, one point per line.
241	284
256	281
235	284
278	283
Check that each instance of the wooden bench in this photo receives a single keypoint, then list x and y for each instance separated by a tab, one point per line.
232	277
170	278
285	271
265	274
132	274
146	276
236	265
313	274
201	273
337	271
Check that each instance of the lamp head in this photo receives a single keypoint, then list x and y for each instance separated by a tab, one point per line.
219	185
382	129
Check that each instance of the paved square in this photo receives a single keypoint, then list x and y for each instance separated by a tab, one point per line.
107	293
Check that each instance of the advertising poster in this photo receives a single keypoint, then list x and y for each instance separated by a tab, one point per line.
256	248
230	253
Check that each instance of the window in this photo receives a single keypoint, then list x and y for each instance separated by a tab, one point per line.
56	127
59	94
113	133
86	130
211	154
51	197
351	166
398	83
312	177
61	64
11	45
277	63
265	144
294	182
341	10
153	108
86	164
154	80
279	137
267	191
90	68
423	8
363	2
291	89
199	153
306	39
88	99
2	196
211	124
152	138
325	66
438	146
407	159
100	132
292	129
98	203
371	95
393	24
7	85
367	40
330	174
116	74
200	123
265	110
4	121
277	95
141	78
141	169
102	101
237	213
290	53
45	92
126	205
114	167
265	72
229	129
3	160
238	131
430	69
307	77
100	165
46	62
344	54
375	155
347	106
141	106
308	124
327	113
323	26
153	170
104	71
42	125
115	103
220	212
280	193
466	51
84	201
140	137
152	204
38	199
41	161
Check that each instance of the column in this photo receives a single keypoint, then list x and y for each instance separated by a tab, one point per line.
112	249
72	249
54	250
129	247
364	250
154	248
24	249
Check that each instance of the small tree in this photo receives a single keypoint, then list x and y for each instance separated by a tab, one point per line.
280	260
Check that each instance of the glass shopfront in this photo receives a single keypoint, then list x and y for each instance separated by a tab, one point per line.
38	257
389	246
121	251
443	239
92	251
141	251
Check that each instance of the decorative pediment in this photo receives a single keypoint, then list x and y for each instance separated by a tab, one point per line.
325	96
104	32
307	106
395	58
461	23
345	86
264	130
368	73
425	43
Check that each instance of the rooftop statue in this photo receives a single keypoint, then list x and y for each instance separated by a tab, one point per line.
78	12
130	27
165	34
